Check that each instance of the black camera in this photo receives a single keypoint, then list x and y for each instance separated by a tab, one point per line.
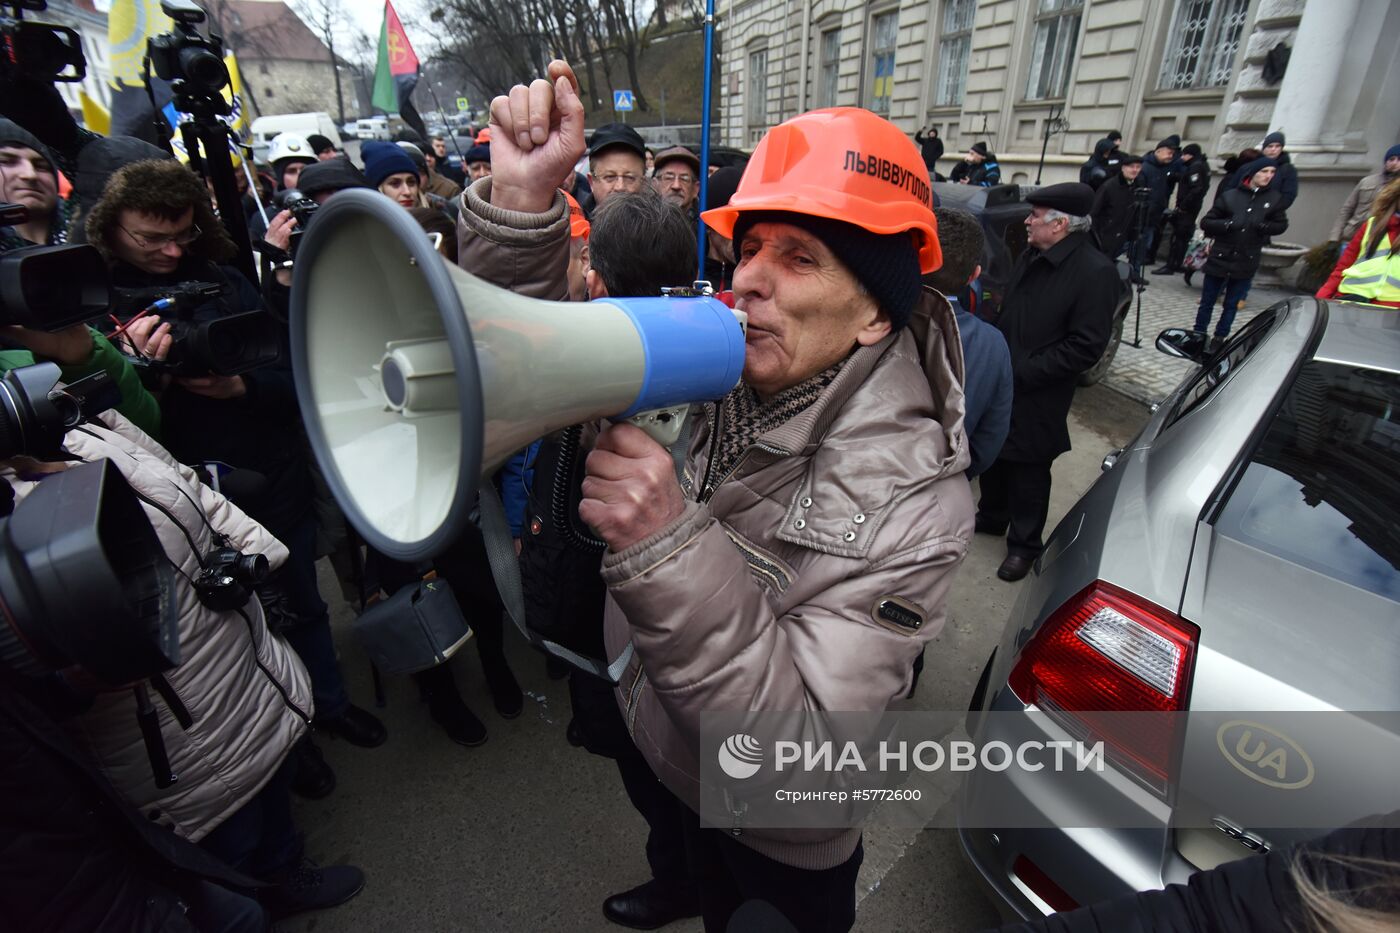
224	346
50	287
303	209
85	582
229	577
36	411
184	55
38	51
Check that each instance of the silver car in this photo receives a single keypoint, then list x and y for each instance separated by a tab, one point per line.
1247	548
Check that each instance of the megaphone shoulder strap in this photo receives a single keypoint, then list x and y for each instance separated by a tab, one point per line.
505	569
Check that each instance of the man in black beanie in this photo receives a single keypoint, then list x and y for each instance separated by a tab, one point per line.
1159	171
1057	318
807	559
1192	185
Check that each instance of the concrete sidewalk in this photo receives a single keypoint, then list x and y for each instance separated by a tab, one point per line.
1144	373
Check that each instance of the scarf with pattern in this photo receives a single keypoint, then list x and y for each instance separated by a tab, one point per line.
744	418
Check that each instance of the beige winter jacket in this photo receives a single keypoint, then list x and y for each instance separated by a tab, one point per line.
766	597
1357	207
247	696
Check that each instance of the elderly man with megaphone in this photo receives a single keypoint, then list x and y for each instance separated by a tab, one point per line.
807	559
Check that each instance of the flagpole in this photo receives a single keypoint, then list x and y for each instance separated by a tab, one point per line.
704	173
451	134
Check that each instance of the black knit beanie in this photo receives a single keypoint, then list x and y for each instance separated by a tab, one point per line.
887	265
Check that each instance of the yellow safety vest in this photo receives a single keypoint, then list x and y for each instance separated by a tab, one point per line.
1374	278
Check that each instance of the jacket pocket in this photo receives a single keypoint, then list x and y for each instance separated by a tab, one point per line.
767	569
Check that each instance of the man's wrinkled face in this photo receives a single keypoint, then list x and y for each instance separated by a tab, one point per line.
675	181
1163	154
806	310
402	187
477	170
1272	150
1131	171
1043	232
153	244
27	178
615	170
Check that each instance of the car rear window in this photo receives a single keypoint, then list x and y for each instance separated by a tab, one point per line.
1319	489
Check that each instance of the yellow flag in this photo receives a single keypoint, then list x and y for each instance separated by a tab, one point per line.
95	116
129	24
233	93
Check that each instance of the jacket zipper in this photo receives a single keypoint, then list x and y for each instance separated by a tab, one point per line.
277	685
632	696
172	700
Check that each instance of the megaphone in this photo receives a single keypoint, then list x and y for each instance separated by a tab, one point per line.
415	378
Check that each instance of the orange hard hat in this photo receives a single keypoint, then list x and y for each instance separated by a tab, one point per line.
578	224
484	136
841	163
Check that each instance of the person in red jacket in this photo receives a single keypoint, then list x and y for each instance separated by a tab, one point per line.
1369	268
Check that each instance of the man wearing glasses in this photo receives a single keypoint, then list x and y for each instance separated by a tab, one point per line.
616	163
677	178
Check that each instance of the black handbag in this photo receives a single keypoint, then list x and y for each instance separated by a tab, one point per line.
417	628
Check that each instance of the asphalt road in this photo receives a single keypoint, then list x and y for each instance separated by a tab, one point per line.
527	833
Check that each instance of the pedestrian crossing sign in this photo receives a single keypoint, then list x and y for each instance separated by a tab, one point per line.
622	100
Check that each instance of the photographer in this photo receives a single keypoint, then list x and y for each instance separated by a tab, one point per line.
155	227
229	712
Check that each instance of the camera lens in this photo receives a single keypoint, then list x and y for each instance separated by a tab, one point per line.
251	568
203	69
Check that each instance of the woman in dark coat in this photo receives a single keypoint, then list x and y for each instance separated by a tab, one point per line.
1242	221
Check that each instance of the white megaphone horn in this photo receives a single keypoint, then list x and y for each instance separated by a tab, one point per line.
415	379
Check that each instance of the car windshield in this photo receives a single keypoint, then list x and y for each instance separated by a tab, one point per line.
1317	490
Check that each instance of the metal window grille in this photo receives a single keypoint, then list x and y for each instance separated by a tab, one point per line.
830	65
885	28
1056	34
758	88
1201	46
953	50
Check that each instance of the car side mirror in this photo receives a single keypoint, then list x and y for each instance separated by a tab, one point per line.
1184	344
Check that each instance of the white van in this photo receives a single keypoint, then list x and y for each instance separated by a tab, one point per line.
307	124
372	128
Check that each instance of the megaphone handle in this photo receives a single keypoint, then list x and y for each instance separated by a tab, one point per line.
662	425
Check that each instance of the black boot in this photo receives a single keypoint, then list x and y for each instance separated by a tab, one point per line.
651	906
310	887
356	726
1167	269
1188	274
447	707
314	778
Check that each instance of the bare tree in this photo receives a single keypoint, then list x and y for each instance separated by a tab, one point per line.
327	19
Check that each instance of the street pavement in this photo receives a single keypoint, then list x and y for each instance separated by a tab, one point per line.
1148	375
527	833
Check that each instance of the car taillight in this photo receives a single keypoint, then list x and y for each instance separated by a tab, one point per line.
1109	651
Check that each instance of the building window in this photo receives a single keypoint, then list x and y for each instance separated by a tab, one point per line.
830	66
1056	32
758	88
953	49
885	30
1203	40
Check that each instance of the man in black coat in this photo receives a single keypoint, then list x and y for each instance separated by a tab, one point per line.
1119	206
1192	184
1160	168
1057	319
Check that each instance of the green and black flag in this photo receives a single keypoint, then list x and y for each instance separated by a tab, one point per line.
396	73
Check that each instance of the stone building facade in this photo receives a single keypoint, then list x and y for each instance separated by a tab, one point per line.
1004	71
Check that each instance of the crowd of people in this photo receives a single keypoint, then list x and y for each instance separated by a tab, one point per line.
796	554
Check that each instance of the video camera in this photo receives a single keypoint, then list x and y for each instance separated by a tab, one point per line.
38	51
84	581
224	346
50	288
